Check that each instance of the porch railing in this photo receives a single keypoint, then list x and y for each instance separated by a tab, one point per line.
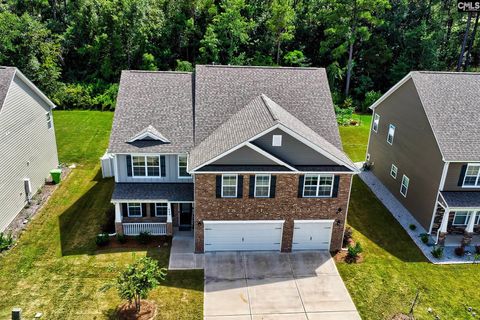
154	228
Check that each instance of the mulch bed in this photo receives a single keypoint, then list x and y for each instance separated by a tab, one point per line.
132	243
342	256
126	311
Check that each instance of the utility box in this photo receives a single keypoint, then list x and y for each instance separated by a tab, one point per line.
107	165
16	314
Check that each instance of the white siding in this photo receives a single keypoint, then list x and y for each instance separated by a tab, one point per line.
27	148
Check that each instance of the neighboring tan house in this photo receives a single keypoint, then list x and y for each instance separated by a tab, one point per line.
425	148
250	158
28	150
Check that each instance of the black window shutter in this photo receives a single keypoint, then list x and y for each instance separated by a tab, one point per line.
144	209
240	187
301	178
129	165
162	166
336	183
462	175
124	210
152	209
273	185
251	186
218	187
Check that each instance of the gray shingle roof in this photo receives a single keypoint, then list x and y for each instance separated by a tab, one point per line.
452	106
160	99
257	116
153	191
6	76
221	91
462	199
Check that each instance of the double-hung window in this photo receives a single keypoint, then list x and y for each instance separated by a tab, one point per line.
472	176
391	133
49	119
146	166
161	210
376	122
262	186
318	185
182	167
461	218
393	171
404	186
229	186
134	209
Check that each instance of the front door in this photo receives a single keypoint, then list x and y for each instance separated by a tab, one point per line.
185	217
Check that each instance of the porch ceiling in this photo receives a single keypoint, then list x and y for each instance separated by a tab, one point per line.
462	199
153	191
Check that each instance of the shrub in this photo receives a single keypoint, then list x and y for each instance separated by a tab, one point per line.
370	98
347	235
98	95
460	251
354	251
437	252
424	237
121	238
6	241
412	227
102	239
144	237
344	115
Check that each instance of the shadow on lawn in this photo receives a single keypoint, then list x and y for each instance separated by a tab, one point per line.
368	216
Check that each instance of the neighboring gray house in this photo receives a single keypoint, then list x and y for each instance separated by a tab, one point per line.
28	150
250	158
425	148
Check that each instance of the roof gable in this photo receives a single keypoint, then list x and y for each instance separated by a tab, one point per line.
148	134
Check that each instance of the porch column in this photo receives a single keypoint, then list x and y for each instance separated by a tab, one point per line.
118	218
442	232
467	236
169	219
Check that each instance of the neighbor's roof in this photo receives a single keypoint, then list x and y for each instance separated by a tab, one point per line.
153	191
257	116
462	199
451	103
162	100
6	77
221	91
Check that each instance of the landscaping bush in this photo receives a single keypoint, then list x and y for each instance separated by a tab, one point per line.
460	251
6	241
347	235
344	115
144	237
121	238
412	227
424	237
98	95
102	239
437	252
354	252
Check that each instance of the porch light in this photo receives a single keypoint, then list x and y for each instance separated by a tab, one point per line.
339	210
199	222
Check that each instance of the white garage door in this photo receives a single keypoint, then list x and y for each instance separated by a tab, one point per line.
312	234
243	235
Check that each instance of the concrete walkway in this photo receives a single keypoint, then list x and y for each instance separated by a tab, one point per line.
182	256
270	285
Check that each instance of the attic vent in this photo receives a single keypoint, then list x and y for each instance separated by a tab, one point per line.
277	140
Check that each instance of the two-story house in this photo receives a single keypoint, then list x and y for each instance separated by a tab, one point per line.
424	147
250	158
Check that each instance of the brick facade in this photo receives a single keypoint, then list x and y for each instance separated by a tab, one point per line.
285	206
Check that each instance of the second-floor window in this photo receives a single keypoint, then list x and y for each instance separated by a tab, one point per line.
229	186
391	133
182	167
146	166
472	176
404	186
318	185
376	121
262	186
393	171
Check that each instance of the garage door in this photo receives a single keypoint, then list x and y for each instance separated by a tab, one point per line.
312	234
243	235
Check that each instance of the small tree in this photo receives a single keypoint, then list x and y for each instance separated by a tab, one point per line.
135	282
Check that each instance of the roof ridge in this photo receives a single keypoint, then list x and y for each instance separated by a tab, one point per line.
157	72
258	67
267	105
447	72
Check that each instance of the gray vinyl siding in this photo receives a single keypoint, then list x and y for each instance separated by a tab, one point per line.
171	167
292	151
414	151
27	148
244	156
453	176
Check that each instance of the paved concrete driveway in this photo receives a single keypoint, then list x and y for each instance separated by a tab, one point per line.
280	286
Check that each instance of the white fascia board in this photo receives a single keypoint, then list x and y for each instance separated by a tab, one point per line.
275	172
269	156
392	90
242	221
148	201
34	88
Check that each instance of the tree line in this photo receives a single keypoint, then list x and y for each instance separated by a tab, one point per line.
75	50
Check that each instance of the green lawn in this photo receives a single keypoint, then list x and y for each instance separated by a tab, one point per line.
355	138
394	269
55	268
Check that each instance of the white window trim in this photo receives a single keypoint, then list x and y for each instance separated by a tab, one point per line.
178	167
392	171
236	185
376	121
134	216
477	182
469	215
146	176
318	185
269	183
157	203
406	187
393	134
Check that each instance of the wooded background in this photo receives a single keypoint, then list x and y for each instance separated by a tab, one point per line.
75	50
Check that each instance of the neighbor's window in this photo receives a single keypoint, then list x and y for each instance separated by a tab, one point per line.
262	185
146	166
229	186
182	167
49	120
318	185
393	171
472	176
404	186
376	121
391	133
134	209
161	210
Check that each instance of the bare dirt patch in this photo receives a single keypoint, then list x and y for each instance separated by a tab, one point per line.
126	311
